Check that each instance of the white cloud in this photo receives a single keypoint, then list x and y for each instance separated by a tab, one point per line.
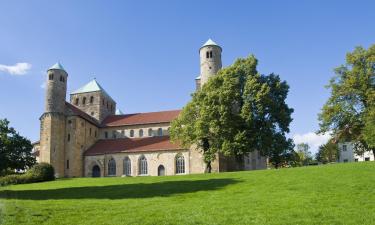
43	85
17	69
312	139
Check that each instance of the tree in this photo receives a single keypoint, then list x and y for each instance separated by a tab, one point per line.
349	112
328	152
15	150
236	112
304	155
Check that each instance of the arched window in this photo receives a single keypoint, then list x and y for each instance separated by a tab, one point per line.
77	101
207	55
142	165
150	132
141	133
103	102
160	132
131	133
84	100
91	99
180	164
50	77
210	54
112	167
127	166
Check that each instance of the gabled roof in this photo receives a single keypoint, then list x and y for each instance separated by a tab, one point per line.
140	118
57	66
91	86
81	114
107	146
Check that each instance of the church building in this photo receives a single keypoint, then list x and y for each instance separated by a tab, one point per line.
85	137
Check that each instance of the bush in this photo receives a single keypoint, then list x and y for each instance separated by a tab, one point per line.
41	172
38	173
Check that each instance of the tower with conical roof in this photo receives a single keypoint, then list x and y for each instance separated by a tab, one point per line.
210	61
52	134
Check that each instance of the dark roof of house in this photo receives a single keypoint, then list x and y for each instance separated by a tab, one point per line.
140	118
82	114
108	146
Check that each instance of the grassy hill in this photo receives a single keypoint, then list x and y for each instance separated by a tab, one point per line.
331	194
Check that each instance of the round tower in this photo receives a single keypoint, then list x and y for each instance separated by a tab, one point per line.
56	89
210	60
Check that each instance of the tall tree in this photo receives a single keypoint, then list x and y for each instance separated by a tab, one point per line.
15	150
304	155
329	152
349	112
236	112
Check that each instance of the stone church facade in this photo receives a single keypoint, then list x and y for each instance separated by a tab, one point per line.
86	137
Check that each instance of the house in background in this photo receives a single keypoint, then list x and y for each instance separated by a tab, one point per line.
347	153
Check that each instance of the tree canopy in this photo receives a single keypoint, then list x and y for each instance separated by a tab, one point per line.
328	152
236	112
349	112
15	150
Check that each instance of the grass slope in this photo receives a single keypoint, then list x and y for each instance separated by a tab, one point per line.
332	194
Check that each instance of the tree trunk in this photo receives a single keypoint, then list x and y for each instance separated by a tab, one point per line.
206	147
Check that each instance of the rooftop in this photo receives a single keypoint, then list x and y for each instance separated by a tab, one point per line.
57	66
91	86
140	118
107	146
210	42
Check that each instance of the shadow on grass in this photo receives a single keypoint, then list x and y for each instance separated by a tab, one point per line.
122	191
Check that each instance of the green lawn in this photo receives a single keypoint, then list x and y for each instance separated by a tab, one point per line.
331	194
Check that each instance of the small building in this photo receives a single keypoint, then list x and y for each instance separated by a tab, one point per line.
347	153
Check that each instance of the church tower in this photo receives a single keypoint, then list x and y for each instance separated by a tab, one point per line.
52	134
210	61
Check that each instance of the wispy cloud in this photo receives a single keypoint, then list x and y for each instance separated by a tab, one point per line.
312	139
17	69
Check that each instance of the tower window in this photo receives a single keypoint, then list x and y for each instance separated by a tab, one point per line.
207	55
50	77
107	105
210	54
77	101
68	137
91	99
84	100
67	164
62	79
103	102
90	131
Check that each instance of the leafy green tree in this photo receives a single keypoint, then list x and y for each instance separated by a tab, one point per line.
236	112
349	112
304	155
15	150
328	152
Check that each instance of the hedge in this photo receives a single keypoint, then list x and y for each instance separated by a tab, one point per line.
38	173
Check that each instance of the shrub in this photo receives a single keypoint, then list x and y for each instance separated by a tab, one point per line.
38	173
41	172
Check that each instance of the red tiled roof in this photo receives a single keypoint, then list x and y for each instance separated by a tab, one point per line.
107	146
140	118
82	114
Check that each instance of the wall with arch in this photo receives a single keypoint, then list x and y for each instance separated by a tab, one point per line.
154	160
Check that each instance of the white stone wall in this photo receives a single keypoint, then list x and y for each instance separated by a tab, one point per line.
124	131
154	160
347	153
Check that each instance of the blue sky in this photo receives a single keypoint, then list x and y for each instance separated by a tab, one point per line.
145	53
